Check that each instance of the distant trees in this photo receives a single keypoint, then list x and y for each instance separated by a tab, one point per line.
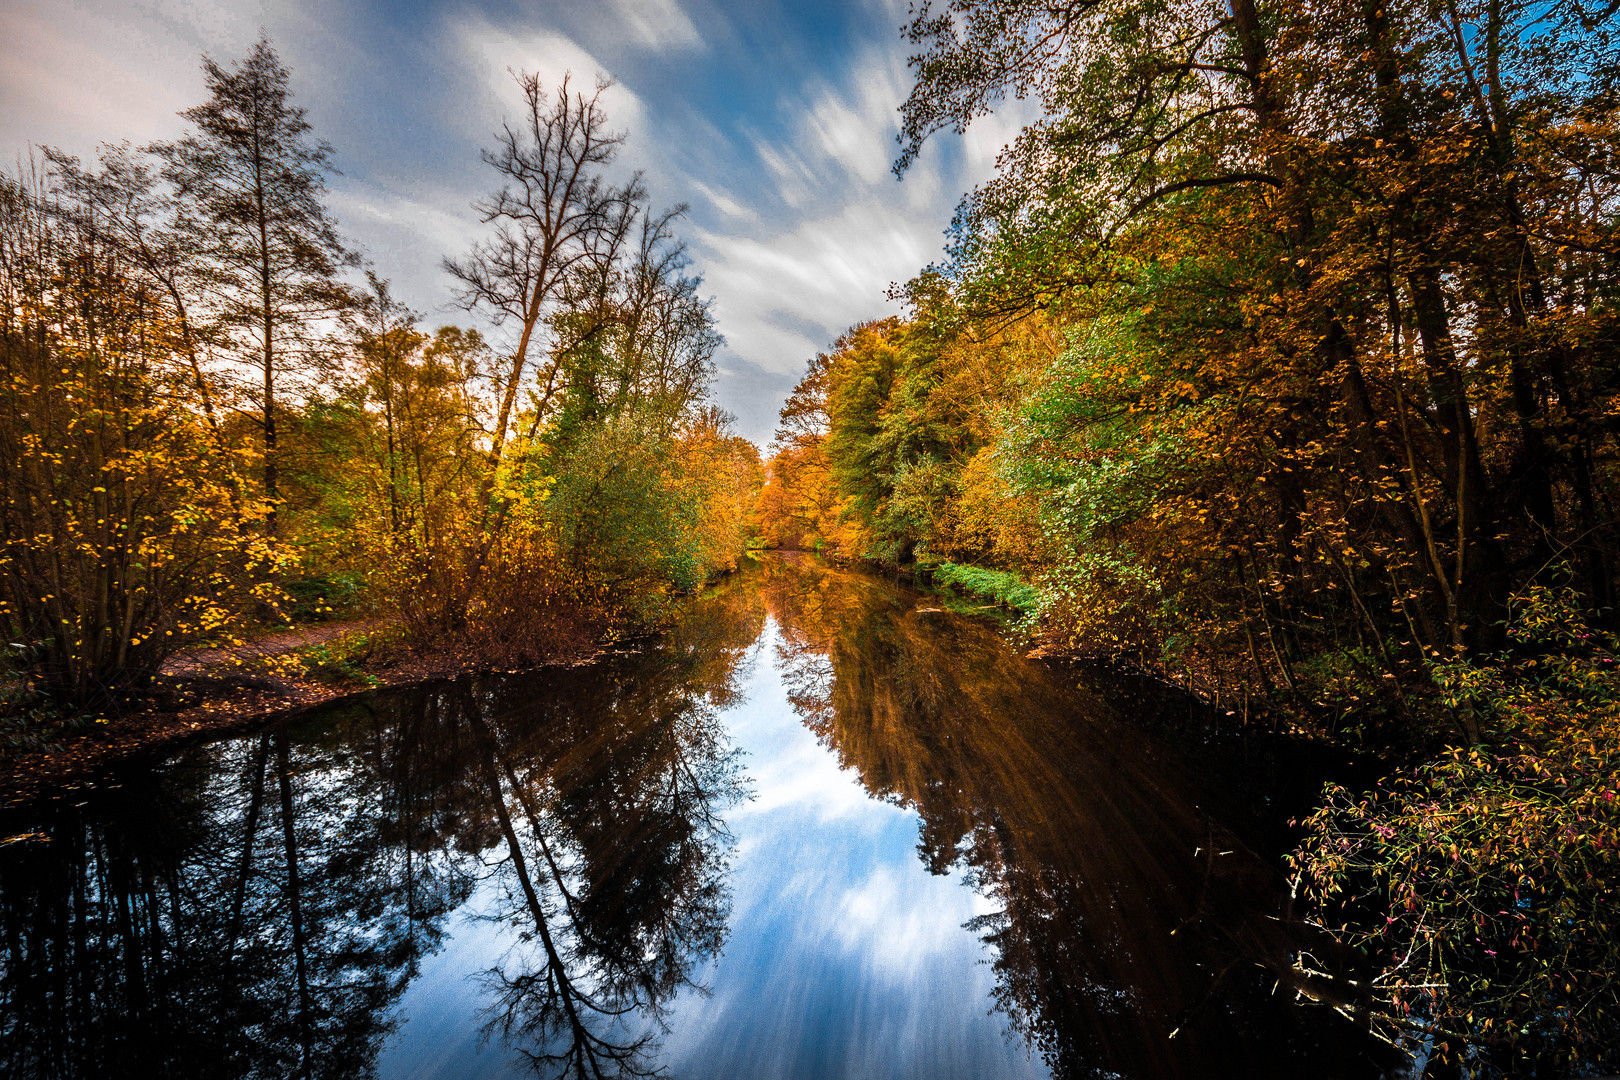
885	446
795	506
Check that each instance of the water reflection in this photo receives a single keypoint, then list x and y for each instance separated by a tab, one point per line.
561	875
1132	935
257	908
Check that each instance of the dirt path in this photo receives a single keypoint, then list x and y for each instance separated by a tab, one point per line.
200	661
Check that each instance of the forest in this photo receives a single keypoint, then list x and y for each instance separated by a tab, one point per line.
1280	359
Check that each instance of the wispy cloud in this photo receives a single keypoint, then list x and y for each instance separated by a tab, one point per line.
493	52
826	272
723	202
856	124
657	24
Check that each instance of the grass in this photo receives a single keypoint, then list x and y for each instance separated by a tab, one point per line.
338	662
1004	588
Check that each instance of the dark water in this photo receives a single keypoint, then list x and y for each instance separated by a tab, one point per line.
819	830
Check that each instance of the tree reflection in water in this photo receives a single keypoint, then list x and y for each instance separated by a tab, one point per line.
1132	936
257	907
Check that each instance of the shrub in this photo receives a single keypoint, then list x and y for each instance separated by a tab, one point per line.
1485	884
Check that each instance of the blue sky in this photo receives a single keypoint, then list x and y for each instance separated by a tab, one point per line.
774	121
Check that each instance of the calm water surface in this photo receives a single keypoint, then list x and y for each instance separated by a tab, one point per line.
821	829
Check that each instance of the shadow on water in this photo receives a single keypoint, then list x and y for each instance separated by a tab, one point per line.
258	906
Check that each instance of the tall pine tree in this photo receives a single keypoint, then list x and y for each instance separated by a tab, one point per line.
251	184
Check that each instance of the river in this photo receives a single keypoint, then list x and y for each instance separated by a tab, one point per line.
822	828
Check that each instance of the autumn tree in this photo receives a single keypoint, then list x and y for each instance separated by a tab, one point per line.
1337	296
797	501
250	181
129	198
632	335
121	538
595	466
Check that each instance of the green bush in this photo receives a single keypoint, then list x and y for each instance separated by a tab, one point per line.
338	662
318	597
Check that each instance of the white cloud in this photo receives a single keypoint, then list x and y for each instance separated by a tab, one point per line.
830	273
723	202
210	22
848	137
882	920
831	228
801	776
857	128
495	52
657	24
407	236
432	219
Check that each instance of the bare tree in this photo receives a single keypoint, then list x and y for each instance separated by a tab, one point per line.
557	217
637	329
669	330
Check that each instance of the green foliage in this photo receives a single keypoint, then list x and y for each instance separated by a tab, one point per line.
998	585
319	597
339	661
620	518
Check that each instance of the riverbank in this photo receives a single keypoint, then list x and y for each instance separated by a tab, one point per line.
208	693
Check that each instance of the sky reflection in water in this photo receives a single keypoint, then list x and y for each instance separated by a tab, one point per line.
845	956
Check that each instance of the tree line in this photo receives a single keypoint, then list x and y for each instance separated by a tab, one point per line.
216	415
1281	354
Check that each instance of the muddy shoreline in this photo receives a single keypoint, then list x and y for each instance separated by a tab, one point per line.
201	704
